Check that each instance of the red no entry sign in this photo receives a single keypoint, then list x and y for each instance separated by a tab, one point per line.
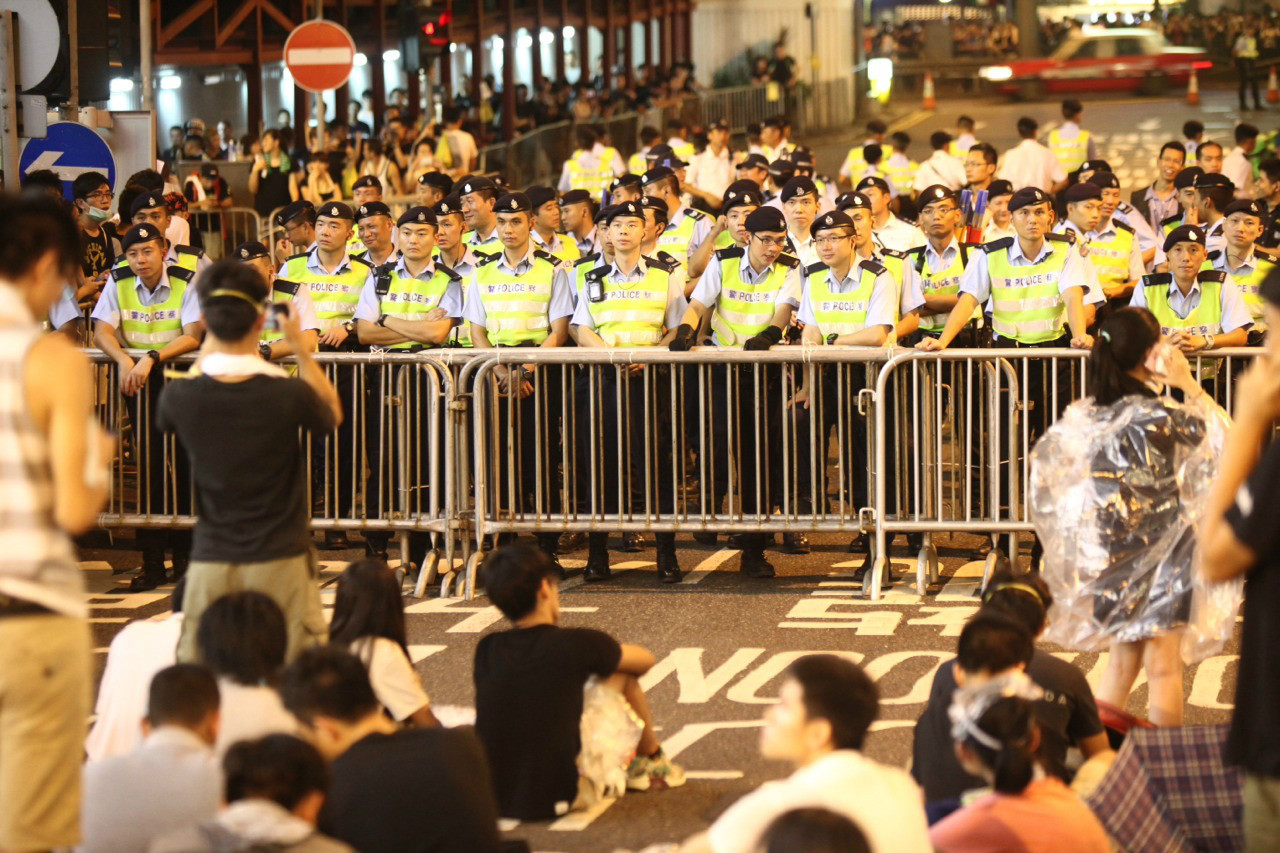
319	54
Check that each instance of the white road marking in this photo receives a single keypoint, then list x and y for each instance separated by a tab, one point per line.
709	565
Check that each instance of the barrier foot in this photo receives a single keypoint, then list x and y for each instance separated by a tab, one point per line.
926	568
995	560
879	566
430	570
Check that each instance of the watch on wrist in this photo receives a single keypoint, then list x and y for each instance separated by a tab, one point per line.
831	339
349	326
382	321
153	354
264	350
1208	341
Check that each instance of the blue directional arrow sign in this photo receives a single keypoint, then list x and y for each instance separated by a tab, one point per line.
70	150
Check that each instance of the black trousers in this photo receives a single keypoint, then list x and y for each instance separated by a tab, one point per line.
337	463
1246	75
745	436
164	480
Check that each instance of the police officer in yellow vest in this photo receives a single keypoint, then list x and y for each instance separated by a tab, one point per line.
1199	310
297	221
577	221
152	307
546	225
1244	223
687	229
273	344
628	187
377	243
151	209
456	255
397	302
334	278
750	293
940	262
1110	247
1071	144
522	297
592	165
477	196
632	302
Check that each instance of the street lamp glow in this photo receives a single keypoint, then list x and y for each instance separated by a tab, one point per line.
547	37
568	32
170	81
392	55
121	85
360	59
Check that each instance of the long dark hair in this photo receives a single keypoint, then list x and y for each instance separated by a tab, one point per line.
1120	346
1012	722
242	636
368	604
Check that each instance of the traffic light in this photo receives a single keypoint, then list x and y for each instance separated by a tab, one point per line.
92	55
436	29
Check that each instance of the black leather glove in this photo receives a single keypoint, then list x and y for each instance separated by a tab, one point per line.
683	339
769	337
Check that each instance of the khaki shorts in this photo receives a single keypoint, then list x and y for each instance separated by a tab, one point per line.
293	583
44	713
1261	812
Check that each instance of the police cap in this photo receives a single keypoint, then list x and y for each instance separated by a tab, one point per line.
626	208
147	201
1214	179
1082	192
447	206
627	180
420	215
656	174
830	222
782	167
754	161
475	184
874	181
251	250
737	196
765	219
1027	196
932	194
797	187
852	201
1105	180
999	188
539	195
1186	178
1094	166
140	234
575	197
513	203
439	180
292	211
1245	205
372	208
1184	234
367	181
336	210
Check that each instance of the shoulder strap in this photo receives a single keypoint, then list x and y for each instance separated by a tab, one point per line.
448	271
181	273
1122	226
727	253
486	259
189	250
788	261
587	259
815	268
1212	275
997	245
1157	279
873	266
285	286
663	262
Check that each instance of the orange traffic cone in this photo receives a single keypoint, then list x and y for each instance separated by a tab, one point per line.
1273	89
930	102
1193	89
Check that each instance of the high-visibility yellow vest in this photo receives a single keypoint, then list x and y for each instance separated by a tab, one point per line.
152	326
1071	153
855	162
1110	258
724	240
335	295
631	314
517	307
410	298
901	177
675	240
1204	319
594	178
945	282
1250	285
282	292
1167	225
684	151
1026	304
745	310
568	251
841	313
636	164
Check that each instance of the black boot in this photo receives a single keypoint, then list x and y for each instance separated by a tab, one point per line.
705	537
597	558
547	543
753	563
668	565
336	540
180	542
375	544
152	575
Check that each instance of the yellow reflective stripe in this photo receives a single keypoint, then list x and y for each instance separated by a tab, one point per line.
516	306
1022	306
744	310
632	314
944	283
149	326
1026	303
841	313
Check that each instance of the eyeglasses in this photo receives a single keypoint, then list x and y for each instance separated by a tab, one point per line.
830	239
105	195
772	242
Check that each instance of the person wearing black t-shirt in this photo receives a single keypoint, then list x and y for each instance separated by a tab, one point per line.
1239	537
530	683
239	420
422	790
99	245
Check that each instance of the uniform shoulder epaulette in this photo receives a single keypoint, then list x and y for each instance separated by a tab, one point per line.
295	257
916	250
449	272
120	261
873	266
790	261
667	263
1169	220
892	253
189	250
1157	278
1068	238
815	268
997	245
1212	275
729	252
1214	255
587	259
547	256
486	259
483	256
361	260
1123	226
180	272
598	273
285	286
696	214
1124	207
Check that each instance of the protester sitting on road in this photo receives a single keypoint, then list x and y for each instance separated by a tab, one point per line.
818	725
242	640
393	790
1069	719
368	619
997	737
170	780
275	789
530	682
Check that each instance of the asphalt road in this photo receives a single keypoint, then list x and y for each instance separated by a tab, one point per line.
721	639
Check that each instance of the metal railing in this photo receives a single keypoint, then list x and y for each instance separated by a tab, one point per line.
222	230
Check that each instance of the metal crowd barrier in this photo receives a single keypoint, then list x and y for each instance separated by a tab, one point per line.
223	230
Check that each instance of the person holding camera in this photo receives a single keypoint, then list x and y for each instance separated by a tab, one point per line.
239	420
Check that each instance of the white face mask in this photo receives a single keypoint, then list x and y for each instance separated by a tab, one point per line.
97	214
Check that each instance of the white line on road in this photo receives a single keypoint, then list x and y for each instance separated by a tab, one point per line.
709	565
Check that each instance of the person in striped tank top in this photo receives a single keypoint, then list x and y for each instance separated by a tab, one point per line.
54	459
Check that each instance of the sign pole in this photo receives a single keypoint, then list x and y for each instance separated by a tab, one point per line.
8	100
320	128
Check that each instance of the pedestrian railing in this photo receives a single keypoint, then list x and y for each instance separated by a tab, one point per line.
224	229
465	446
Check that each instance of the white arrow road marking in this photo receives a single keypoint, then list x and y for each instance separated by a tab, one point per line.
320	56
47	159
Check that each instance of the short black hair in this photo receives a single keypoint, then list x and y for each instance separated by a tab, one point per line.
965	122
1191	129
1022	596
512	575
993	642
148	179
242	636
88	183
876	127
1271	168
1173	145
814	830
1244	131
939	140
34	225
872	153
43	179
184	694
1071	108
1027	127
837	690
585	136
1209	143
676	124
451	114
649	135
987	150
900	139
1220	196
328	681
280	768
229	318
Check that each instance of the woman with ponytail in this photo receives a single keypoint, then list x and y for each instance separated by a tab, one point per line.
1117	487
997	739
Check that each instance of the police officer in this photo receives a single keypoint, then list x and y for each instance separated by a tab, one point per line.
1244	224
546	225
940	262
798	201
522	298
592	165
1213	193
150	208
750	293
754	168
397	302
1184	189
272	344
740	198
687	228
478	197
366	188
1110	246
889	231
373	221
432	188
456	255
628	187
335	279
150	305
298	221
577	220
1198	309
632	302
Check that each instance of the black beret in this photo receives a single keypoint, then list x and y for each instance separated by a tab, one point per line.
575	197
293	211
147	201
1214	179
439	180
1105	180
626	208
1027	196
447	206
656	174
420	215
829	221
931	194
539	195
797	187
475	184
1082	192
754	161
250	250
140	234
336	210
782	166
367	181
719	124
1187	177
765	219
1245	205
372	208
1094	166
513	203
602	214
873	181
1184	234
627	180
657	205
739	196
852	201
999	188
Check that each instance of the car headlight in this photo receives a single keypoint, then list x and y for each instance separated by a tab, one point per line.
995	72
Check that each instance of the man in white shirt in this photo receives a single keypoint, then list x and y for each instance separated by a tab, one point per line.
1237	165
818	725
890	232
711	170
941	168
1030	164
171	780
